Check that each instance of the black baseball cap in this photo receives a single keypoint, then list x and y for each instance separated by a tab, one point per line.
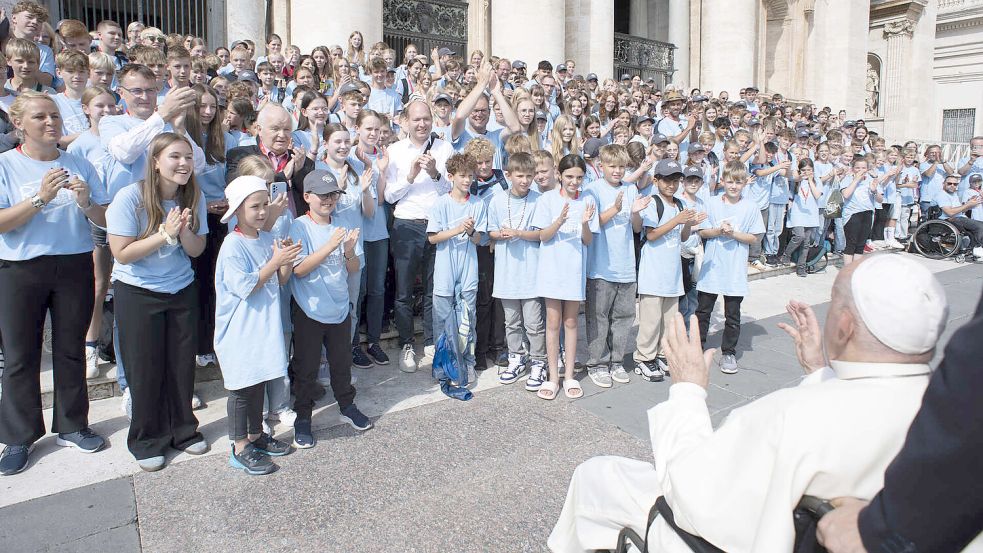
320	181
668	168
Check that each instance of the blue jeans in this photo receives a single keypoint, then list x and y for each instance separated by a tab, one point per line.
373	291
443	308
413	255
687	305
776	223
839	236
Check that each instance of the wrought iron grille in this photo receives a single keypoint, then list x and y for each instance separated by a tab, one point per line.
428	24
186	17
643	57
958	124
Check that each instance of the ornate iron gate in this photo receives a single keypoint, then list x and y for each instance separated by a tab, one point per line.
643	57
428	24
187	17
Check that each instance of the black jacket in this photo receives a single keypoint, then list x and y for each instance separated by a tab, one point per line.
296	182
932	499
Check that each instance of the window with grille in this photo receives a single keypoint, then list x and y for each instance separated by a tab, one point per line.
958	124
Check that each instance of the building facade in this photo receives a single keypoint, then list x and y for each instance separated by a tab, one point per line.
910	68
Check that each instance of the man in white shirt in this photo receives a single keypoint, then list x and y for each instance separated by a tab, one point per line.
415	178
832	435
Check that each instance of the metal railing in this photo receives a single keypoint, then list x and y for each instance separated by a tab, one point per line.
643	57
428	24
186	17
952	152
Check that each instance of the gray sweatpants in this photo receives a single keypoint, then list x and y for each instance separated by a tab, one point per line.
524	322
610	314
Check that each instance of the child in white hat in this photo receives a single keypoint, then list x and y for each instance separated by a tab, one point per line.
250	269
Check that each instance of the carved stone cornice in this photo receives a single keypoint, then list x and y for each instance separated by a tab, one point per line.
899	27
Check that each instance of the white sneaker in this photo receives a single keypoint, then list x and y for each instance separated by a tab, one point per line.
205	360
428	352
515	368
407	361
978	252
267	427
619	374
287	417
91	362
195	402
895	244
600	376
126	404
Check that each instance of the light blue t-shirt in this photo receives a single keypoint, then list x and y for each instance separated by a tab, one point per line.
61	228
931	186
780	189
611	255
456	264
660	272
908	175
976	168
348	210
945	199
384	101
485	190
493	136
805	207
724	269
248	326
323	293
562	271
73	119
303	139
89	146
373	228
862	198
166	270
759	191
211	180
820	170
516	260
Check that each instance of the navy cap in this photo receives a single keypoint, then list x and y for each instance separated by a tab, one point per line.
593	147
518	64
592	76
625	77
753	122
562	68
639	119
802	134
659	138
248	75
320	181
849	124
445	51
444	97
540	114
348	87
668	168
695	147
693	171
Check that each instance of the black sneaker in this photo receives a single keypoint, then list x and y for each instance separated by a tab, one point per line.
84	440
377	354
303	437
14	459
663	364
502	359
649	371
268	445
251	461
354	417
480	362
359	359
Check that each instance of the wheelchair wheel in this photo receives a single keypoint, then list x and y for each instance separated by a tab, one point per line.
936	239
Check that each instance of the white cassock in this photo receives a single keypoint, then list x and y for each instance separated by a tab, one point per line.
832	436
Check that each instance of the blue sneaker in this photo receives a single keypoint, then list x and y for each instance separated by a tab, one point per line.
251	461
354	417
303	437
84	440
14	459
377	354
268	445
359	359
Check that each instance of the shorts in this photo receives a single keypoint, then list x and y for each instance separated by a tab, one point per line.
99	237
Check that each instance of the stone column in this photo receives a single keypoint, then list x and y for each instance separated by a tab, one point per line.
729	45
281	21
898	35
529	31
589	36
246	19
479	27
311	25
679	36
638	19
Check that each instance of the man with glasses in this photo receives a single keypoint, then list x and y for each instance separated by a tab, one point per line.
955	211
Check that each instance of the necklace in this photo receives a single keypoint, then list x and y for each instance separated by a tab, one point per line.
508	207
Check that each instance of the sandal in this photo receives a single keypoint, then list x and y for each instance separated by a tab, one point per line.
571	387
548	390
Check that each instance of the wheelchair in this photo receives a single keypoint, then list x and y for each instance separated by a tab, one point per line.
937	238
805	516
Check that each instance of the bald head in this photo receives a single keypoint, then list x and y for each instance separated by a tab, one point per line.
274	128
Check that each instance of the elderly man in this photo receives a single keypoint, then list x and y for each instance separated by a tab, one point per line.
414	179
833	435
290	164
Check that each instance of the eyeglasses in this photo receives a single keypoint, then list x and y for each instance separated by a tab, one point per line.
158	39
140	91
480	111
329	196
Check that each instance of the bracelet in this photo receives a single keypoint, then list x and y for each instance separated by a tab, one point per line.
170	240
347	257
471	233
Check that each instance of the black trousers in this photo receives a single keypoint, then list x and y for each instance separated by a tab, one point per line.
490	326
882	216
857	231
65	286
971	227
309	336
157	337
732	319
204	267
245	411
413	256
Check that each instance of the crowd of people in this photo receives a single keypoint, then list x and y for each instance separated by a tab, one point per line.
253	212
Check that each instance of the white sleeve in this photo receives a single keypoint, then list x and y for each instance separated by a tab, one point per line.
126	146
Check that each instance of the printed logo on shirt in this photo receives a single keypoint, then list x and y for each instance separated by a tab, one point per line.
64	197
570	229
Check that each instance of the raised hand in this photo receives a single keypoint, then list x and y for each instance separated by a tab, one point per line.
173	223
81	190
351	239
337	237
589	213
806	335
562	218
54	180
619	201
285	252
640	203
467	225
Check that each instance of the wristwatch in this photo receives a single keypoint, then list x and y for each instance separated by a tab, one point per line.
37	202
171	240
